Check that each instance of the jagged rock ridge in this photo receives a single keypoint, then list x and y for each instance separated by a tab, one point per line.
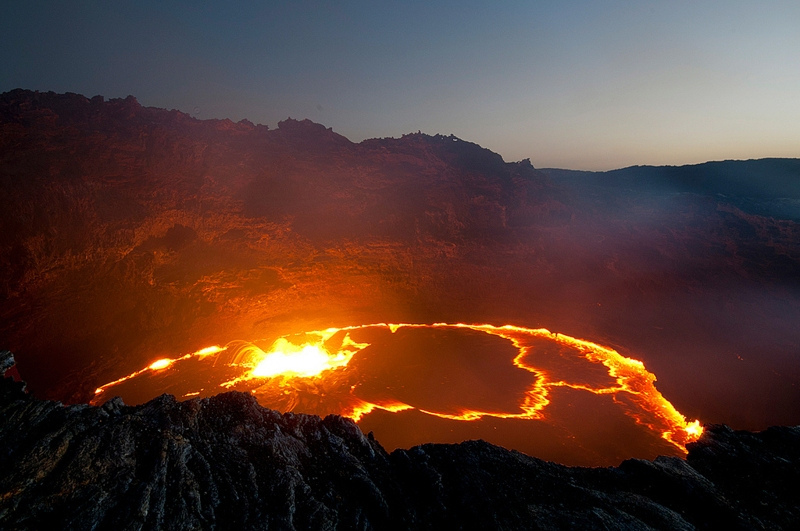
227	462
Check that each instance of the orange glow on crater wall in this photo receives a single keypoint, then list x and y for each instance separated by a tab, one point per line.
313	364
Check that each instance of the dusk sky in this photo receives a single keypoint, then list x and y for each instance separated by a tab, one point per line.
574	84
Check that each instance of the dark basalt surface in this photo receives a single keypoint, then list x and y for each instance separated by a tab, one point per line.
226	462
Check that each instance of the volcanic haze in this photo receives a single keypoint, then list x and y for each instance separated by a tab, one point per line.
132	234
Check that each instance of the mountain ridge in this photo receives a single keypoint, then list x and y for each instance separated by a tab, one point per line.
768	186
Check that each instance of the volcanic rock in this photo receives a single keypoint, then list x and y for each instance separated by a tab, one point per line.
226	462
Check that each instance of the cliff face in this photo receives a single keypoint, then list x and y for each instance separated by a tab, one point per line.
227	462
154	232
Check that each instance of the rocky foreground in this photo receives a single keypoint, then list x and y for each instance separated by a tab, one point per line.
226	462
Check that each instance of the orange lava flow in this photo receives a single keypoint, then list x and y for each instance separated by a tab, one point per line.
313	364
159	365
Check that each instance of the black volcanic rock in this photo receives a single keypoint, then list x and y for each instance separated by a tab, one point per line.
226	462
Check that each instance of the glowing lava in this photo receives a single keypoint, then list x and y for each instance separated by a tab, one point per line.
160	364
312	373
287	359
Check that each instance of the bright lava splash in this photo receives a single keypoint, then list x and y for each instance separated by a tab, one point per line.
334	371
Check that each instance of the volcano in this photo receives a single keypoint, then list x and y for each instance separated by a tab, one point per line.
134	238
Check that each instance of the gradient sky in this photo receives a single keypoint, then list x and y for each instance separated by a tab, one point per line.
575	84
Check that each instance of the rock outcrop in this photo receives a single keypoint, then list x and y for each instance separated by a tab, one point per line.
226	462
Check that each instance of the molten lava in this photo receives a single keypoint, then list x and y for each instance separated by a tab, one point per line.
302	362
316	372
160	364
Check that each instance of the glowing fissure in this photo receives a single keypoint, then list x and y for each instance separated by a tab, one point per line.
161	364
312	365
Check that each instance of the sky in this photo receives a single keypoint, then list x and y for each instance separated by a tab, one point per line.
572	84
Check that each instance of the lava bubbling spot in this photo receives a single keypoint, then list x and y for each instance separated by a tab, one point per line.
294	360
